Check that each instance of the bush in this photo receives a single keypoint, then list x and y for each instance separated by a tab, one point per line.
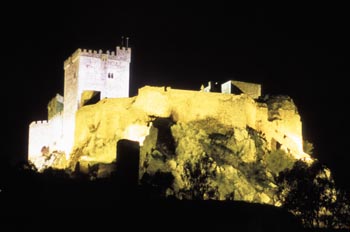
309	192
279	160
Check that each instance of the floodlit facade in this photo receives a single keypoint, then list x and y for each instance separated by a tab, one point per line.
89	76
93	76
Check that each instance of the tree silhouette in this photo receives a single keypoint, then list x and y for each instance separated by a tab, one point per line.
156	185
310	193
199	174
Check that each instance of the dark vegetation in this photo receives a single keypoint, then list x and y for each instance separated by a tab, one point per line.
48	198
57	196
53	198
311	194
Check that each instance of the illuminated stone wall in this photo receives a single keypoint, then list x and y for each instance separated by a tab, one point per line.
286	131
84	71
45	133
107	73
232	110
71	72
251	89
87	70
90	132
100	126
185	105
55	106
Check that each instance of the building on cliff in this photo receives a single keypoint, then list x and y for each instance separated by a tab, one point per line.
96	77
88	77
234	87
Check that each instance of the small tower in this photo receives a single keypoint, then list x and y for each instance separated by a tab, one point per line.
237	87
55	106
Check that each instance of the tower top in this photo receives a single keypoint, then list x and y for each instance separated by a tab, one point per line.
122	53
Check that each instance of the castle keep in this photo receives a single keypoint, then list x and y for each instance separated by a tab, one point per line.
89	76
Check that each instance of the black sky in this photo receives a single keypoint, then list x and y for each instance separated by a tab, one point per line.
298	50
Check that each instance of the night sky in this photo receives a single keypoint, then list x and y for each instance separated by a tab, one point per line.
297	50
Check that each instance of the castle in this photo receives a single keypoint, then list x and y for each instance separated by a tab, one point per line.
91	77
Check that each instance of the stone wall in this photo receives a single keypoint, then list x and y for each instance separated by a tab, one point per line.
251	89
71	73
55	106
100	126
45	133
89	70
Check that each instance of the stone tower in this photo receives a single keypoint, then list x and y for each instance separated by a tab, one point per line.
90	76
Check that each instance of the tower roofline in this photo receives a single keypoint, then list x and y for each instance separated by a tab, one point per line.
118	54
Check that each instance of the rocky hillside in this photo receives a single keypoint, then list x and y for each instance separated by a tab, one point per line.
207	160
195	145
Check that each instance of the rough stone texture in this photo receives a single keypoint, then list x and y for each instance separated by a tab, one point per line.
212	145
85	70
43	134
55	106
199	145
89	76
100	126
209	162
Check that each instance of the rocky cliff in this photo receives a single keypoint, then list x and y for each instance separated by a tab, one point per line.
196	145
205	159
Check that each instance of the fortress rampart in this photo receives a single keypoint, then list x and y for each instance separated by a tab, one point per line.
112	118
92	77
121	53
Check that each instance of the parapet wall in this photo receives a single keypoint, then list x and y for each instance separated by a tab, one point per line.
251	89
122	54
186	105
100	126
45	133
229	109
38	123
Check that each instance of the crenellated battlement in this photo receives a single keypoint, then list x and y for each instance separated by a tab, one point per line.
39	122
127	49
57	116
121	53
99	54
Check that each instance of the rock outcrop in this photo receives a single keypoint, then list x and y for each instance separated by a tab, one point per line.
201	145
208	160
